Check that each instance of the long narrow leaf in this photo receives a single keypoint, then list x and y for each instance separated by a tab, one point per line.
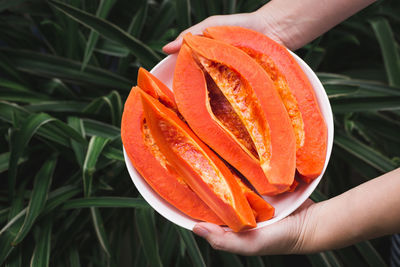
20	141
106	202
65	69
147	233
191	245
110	31
94	150
102	12
78	148
390	54
38	198
364	152
183	14
98	128
346	105
100	231
326	259
370	254
41	254
138	21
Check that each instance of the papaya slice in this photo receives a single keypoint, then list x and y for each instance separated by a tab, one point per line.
294	89
259	142
262	210
156	88
200	168
148	160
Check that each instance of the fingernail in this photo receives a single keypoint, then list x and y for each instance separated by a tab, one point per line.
200	231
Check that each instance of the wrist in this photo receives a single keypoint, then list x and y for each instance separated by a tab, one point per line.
279	24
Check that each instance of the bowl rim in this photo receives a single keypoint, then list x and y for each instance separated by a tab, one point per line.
174	215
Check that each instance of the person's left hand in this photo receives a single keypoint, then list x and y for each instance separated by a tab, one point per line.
288	236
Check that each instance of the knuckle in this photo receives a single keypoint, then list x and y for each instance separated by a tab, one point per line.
216	244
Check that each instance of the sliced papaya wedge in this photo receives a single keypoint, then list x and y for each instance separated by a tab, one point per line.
156	88
294	89
262	210
148	160
199	167
231	104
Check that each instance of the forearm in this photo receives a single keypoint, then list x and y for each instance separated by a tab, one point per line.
364	212
296	23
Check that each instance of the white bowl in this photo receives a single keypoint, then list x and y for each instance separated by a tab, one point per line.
284	204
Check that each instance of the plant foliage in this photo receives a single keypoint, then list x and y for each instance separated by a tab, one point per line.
66	67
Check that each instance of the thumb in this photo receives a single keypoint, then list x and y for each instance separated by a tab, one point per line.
221	239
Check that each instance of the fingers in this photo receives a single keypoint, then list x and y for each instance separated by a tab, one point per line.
197	29
235	19
282	237
240	243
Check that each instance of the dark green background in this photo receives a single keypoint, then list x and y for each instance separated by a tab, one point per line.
66	68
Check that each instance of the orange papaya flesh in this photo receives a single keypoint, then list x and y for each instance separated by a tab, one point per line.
262	209
156	88
293	187
153	166
189	75
254	101
200	168
295	90
225	114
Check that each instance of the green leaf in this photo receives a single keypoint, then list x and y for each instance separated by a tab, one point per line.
78	148
199	9
362	104
4	4
371	256
100	231
114	103
147	233
230	6
74	257
110	31
113	153
66	70
230	259
93	153
162	20
7	234
102	12
57	106
183	14
255	261
366	86
106	202
14	85
19	142
389	50
364	152
98	128
5	159
192	248
60	196
38	198
22	97
111	48
168	240
327	258
41	254
138	21
340	90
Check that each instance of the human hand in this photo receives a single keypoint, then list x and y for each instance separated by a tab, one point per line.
255	21
288	236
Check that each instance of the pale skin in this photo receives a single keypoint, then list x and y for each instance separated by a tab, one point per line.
367	211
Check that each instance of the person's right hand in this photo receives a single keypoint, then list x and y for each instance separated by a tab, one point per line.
255	21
